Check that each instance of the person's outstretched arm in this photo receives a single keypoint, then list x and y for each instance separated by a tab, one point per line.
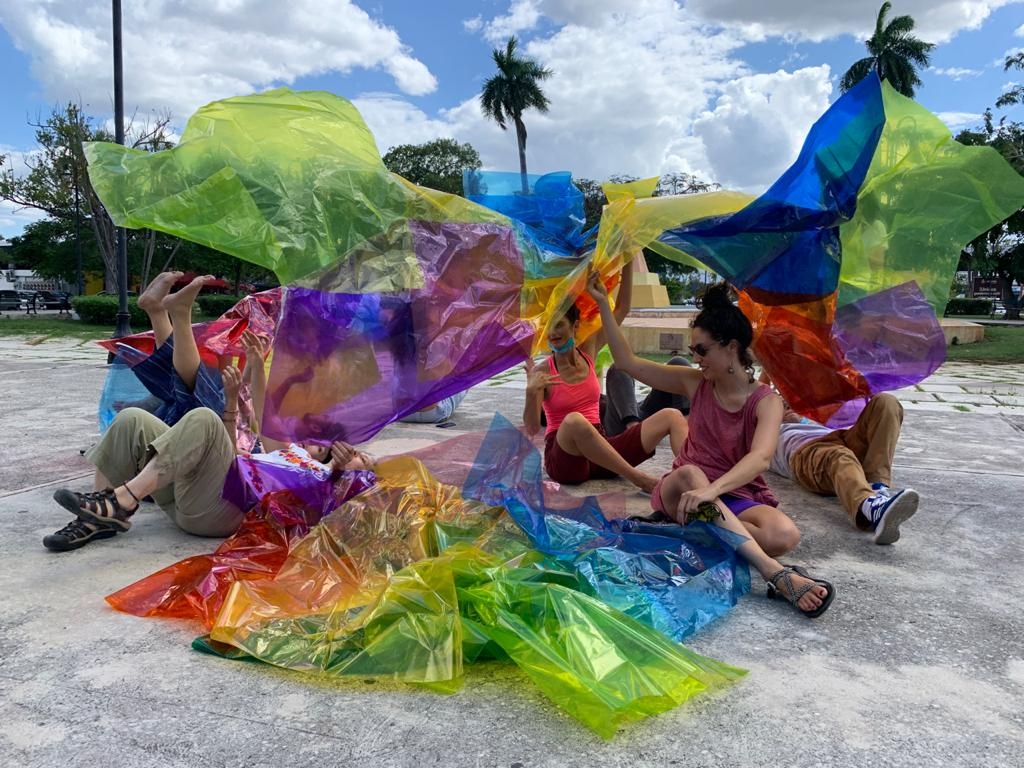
668	378
257	369
232	379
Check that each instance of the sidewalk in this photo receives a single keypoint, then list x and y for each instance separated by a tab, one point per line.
918	663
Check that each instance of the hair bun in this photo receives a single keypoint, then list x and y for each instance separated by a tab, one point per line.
716	297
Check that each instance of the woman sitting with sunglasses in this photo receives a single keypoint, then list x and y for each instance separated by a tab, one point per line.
733	428
566	388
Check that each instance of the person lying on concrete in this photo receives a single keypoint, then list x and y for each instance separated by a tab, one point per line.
854	464
182	467
440	413
174	374
733	428
564	387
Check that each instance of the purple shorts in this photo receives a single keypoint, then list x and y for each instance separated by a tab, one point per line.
736	504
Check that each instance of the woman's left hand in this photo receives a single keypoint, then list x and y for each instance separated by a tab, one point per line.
690	500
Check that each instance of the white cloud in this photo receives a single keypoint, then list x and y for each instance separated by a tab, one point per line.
180	54
758	124
394	121
522	15
956	121
644	88
1019	32
936	20
957	73
473	25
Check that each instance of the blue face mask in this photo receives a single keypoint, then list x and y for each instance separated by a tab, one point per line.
564	348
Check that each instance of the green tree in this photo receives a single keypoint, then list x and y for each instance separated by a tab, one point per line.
999	252
511	92
594	200
437	164
56	182
895	54
47	247
1016	94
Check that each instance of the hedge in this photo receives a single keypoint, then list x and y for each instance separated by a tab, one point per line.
215	304
102	310
969	307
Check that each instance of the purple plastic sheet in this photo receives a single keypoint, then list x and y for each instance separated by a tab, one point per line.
345	365
249	480
892	338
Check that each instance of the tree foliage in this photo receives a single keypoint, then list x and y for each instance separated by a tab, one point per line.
594	200
999	252
515	89
56	171
894	53
437	164
1014	95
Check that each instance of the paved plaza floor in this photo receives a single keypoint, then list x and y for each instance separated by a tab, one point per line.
919	662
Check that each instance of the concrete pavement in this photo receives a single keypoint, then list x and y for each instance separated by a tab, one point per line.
918	663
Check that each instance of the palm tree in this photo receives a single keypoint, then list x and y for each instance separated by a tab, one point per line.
895	55
511	92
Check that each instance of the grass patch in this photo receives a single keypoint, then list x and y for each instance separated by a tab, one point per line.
963	408
39	328
1002	344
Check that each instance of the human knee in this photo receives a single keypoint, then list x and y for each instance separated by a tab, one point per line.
689	477
780	536
888	404
574	423
204	419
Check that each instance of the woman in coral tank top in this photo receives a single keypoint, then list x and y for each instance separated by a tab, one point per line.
565	387
733	428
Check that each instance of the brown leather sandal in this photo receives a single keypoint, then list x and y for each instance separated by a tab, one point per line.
100	507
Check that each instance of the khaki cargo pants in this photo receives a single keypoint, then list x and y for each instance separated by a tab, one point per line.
192	459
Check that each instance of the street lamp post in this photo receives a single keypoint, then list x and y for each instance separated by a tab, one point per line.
123	316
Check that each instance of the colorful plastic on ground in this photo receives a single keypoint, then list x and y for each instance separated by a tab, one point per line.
412	579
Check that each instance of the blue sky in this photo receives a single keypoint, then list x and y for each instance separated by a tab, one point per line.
725	89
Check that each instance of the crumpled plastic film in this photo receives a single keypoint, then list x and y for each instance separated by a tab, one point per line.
194	588
402	580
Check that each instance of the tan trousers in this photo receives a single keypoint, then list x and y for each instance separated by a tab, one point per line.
846	462
192	459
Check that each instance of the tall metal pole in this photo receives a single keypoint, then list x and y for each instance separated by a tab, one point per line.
123	317
79	281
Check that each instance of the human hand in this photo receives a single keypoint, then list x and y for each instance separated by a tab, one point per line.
232	378
595	286
538	377
691	500
342	454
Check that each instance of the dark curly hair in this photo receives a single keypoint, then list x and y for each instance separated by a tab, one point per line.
723	321
572	314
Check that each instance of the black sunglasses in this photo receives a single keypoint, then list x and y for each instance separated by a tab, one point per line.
700	349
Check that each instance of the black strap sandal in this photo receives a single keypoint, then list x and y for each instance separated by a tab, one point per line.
100	507
787	591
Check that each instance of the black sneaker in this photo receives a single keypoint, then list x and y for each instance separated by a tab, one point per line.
76	534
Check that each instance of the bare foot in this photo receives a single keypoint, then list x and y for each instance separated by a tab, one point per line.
151	298
811	600
181	301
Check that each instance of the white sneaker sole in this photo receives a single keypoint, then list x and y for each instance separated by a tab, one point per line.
901	509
